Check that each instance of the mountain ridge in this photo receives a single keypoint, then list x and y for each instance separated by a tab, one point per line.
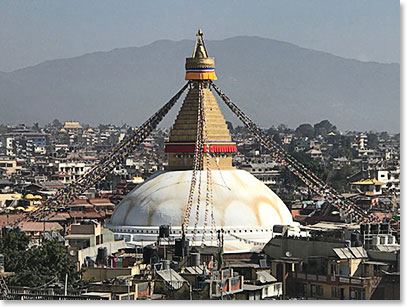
275	75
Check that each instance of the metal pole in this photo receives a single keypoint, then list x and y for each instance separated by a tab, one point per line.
43	234
128	290
66	284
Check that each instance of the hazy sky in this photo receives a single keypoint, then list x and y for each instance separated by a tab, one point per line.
33	31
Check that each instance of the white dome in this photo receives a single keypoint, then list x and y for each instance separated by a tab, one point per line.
239	199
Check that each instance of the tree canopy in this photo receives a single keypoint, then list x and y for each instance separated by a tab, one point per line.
35	266
324	127
305	130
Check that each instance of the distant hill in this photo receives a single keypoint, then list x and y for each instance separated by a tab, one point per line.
273	81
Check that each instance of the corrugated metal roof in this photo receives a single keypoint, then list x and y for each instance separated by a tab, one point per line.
340	253
361	251
350	252
265	277
172	278
194	269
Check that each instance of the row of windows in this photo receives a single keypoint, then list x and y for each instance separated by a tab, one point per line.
191	232
73	169
262	169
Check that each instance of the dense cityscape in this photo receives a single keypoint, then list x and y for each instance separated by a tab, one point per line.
339	259
132	168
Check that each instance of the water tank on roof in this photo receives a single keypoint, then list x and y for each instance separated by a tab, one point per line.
101	258
181	248
164	231
391	239
374	228
194	259
280	229
355	239
150	255
166	264
364	228
174	265
384	228
383	239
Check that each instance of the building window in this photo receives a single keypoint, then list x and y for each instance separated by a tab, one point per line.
335	292
317	290
357	294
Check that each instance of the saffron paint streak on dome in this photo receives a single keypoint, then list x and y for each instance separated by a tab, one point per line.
239	200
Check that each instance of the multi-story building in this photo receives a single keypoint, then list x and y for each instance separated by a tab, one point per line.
69	171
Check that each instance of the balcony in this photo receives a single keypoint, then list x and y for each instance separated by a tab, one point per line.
334	280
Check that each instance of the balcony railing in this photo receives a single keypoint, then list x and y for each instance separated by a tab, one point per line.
332	279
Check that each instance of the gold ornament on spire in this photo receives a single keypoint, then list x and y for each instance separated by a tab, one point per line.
200	66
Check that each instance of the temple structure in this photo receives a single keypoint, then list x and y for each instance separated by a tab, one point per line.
181	145
241	206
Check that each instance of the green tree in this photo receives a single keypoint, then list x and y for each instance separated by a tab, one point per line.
282	128
338	179
305	130
37	265
56	123
384	136
372	140
324	127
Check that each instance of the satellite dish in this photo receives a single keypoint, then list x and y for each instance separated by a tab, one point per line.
288	254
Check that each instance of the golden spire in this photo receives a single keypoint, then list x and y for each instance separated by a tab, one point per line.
199	50
218	141
200	66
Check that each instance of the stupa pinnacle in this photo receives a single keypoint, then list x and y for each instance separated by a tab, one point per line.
200	69
200	66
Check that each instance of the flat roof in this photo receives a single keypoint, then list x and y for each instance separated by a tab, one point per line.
249	287
78	236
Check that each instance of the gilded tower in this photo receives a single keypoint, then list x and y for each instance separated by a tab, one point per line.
200	69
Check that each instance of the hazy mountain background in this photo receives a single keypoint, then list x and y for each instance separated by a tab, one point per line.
272	81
